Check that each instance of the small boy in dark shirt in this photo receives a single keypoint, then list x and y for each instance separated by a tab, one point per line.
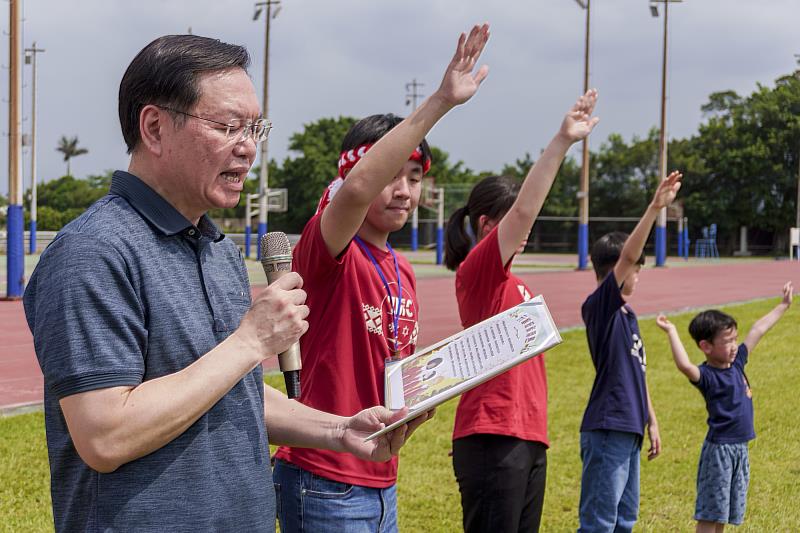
724	470
619	407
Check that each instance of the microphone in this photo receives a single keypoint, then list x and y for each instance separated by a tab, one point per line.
276	259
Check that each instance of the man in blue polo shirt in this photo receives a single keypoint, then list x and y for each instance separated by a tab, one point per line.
155	407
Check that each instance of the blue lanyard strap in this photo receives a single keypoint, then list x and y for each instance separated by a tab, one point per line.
396	310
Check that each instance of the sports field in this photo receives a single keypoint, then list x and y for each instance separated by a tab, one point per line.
428	495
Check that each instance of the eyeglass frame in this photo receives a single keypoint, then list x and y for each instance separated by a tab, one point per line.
247	128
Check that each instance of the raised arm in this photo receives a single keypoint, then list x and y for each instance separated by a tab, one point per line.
344	216
110	427
632	251
679	354
516	224
765	323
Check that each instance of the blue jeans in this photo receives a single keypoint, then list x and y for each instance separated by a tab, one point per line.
310	503
609	481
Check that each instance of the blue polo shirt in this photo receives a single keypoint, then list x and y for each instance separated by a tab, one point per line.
729	401
618	400
128	292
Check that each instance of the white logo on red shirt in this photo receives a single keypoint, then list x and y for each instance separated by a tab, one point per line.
372	316
380	320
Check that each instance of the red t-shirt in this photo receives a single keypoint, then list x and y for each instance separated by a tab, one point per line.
345	347
513	403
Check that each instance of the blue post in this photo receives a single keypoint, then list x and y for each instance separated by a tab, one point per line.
16	252
262	230
415	230
583	246
32	247
439	244
686	242
247	239
680	242
661	245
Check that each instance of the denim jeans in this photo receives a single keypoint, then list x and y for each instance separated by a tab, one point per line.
310	503
609	481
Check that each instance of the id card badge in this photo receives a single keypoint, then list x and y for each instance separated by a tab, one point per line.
393	384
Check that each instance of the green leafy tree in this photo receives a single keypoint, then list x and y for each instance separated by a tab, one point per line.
69	147
746	157
64	199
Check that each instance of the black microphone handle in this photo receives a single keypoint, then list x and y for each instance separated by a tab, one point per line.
292	379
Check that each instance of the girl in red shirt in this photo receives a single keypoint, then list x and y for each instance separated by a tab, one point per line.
500	434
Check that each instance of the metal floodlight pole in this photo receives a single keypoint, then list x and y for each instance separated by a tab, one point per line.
15	264
411	99
263	182
30	54
661	221
583	193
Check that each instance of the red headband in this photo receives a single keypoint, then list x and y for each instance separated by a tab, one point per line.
349	158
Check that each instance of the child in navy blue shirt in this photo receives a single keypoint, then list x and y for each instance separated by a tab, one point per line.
619	406
724	470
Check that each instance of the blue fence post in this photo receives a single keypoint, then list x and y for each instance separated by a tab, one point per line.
32	246
439	244
15	268
661	245
262	230
247	239
583	246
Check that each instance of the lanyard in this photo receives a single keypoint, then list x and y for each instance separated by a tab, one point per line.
396	310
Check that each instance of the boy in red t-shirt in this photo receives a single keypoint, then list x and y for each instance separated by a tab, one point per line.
500	436
362	301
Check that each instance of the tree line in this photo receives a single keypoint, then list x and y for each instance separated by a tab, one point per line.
741	169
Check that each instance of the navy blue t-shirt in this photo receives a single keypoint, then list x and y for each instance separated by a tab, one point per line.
128	292
729	401
618	400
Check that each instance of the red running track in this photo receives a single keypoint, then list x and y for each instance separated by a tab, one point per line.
670	289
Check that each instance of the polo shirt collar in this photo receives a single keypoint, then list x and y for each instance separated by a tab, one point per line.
158	211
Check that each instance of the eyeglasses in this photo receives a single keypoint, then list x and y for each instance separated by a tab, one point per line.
237	130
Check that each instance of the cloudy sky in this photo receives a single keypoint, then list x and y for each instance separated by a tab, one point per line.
354	57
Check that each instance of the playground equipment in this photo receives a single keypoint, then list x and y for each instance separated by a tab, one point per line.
277	202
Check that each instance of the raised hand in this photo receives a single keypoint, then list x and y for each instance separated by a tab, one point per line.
664	323
459	83
787	293
667	190
579	122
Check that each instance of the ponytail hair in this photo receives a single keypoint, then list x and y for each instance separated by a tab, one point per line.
493	196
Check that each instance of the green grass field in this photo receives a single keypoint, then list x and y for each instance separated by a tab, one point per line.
428	494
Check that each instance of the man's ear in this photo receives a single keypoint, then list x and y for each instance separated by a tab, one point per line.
152	121
705	346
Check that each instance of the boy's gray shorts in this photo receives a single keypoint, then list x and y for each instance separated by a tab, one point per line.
722	479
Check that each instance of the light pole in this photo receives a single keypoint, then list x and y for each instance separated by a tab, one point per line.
263	182
15	265
411	99
30	59
583	193
661	222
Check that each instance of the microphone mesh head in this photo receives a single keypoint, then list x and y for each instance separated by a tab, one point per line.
275	243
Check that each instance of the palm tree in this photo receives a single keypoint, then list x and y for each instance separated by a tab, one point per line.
69	147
